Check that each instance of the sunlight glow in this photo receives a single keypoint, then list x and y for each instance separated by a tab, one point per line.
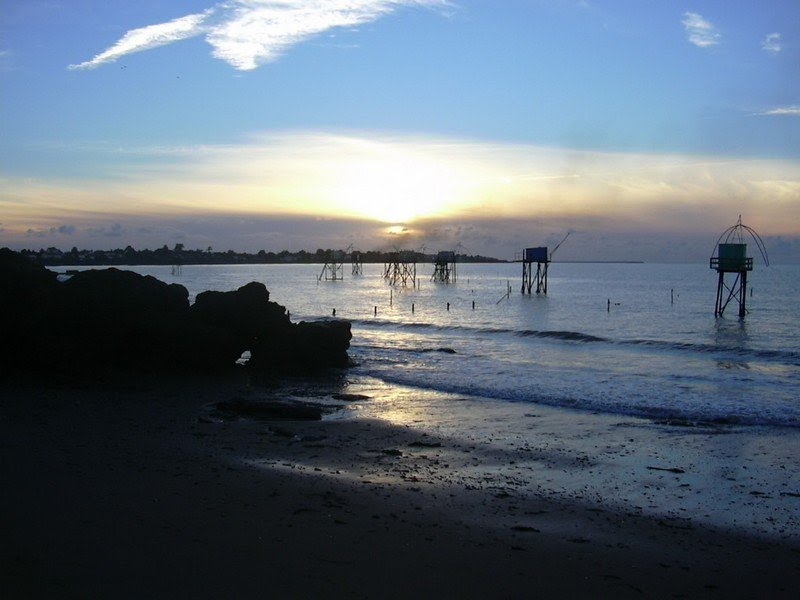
408	180
396	189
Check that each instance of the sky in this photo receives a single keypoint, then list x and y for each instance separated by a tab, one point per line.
642	128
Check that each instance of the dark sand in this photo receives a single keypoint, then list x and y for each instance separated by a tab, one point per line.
138	490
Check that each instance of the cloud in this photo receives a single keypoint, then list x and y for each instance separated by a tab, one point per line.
791	111
44	232
148	37
772	43
700	32
249	33
422	183
115	230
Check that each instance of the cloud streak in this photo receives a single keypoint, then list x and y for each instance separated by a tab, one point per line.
249	33
772	43
145	38
700	32
785	111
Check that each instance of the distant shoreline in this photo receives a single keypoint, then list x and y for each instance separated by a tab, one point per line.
181	256
213	264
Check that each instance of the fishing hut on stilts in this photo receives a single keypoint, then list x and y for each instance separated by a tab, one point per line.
400	268
357	263
539	256
732	266
333	269
444	267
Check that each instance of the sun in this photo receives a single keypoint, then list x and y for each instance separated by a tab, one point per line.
397	189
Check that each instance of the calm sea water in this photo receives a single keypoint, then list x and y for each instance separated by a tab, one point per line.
659	352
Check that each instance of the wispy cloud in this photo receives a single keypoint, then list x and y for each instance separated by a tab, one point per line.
149	37
249	33
700	32
772	43
790	111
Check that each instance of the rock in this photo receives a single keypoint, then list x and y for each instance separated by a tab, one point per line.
103	319
222	325
22	279
111	317
304	346
246	312
94	320
27	293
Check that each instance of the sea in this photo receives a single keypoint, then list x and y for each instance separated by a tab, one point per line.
618	388
632	339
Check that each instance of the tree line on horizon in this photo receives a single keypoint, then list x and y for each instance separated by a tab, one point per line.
179	255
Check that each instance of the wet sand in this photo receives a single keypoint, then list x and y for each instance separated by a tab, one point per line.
138	488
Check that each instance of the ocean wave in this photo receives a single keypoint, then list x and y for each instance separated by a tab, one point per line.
785	356
575	336
706	413
572	336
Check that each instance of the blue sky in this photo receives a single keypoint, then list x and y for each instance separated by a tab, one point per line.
498	124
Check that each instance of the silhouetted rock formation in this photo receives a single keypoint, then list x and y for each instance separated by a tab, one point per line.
109	318
27	294
113	318
223	325
320	343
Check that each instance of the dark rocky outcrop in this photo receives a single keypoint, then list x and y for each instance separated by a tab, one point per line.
223	325
27	294
304	344
117	318
101	319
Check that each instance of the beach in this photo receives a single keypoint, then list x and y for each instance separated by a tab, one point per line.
139	487
413	299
